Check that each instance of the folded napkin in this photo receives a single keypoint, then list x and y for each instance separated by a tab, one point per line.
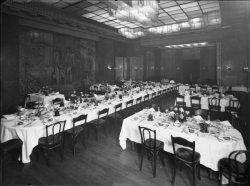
198	118
9	116
226	123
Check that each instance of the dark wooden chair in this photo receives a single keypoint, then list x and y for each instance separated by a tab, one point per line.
203	88
151	145
233	107
195	102
235	171
58	101
138	105
116	116
214	108
77	130
180	101
53	140
215	89
129	108
185	155
6	148
100	122
193	88
146	101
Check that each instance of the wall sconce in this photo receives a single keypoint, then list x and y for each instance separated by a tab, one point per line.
245	69
228	68
113	68
178	68
152	67
203	68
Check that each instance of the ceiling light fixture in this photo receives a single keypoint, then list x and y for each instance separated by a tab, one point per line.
135	11
189	45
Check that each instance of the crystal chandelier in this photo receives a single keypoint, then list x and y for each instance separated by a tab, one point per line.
136	11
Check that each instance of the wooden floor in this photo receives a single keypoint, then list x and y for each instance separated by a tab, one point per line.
101	163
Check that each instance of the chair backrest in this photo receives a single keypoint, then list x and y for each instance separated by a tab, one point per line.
147	133
153	94
103	113
214	104
129	103
234	103
183	142
118	107
82	118
203	88
215	89
195	102
180	100
240	170
138	100
95	88
57	101
146	98
26	100
54	131
193	88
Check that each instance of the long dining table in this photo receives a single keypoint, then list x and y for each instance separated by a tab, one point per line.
218	143
29	127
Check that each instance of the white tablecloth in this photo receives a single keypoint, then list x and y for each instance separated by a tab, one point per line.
182	89
46	100
210	148
31	133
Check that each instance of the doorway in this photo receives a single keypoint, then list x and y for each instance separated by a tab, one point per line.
191	71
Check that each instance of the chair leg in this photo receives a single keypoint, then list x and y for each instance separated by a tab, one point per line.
220	179
199	171
141	159
173	178
74	145
194	172
37	154
46	156
162	157
61	152
154	165
20	154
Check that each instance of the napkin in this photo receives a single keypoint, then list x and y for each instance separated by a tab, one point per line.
226	123
198	118
10	116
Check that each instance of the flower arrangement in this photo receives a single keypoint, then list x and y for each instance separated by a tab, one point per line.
204	127
178	113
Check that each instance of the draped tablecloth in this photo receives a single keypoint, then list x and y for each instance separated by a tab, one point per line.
182	89
32	130
211	148
46	100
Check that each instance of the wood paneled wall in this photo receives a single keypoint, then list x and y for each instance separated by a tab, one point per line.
9	63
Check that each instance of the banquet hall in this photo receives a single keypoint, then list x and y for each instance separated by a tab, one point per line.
125	92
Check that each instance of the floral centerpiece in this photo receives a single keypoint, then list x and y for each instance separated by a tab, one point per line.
204	127
178	113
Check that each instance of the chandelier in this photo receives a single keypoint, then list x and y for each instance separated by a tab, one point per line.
136	11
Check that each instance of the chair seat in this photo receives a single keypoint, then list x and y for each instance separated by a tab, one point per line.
224	167
150	143
57	140
78	130
11	144
186	154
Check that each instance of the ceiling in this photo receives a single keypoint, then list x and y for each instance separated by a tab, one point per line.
170	12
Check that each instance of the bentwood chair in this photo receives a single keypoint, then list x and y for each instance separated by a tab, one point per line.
233	107
151	145
186	155
214	107
180	101
6	148
138	105
100	122
53	140
77	130
193	88
203	88
235	171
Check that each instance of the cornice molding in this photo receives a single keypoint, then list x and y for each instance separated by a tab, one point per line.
43	14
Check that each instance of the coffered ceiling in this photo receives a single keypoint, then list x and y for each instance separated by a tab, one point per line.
170	12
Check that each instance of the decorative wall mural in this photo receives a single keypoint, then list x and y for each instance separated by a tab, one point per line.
62	62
